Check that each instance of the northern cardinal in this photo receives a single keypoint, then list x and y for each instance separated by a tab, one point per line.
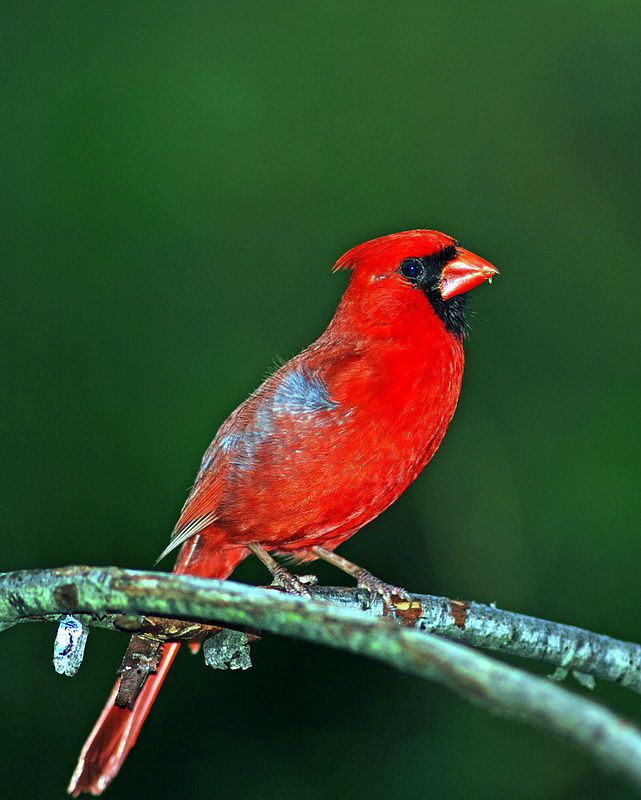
322	447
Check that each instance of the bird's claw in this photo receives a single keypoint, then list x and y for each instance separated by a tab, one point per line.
292	584
375	586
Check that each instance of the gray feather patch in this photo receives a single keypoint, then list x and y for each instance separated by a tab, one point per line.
301	391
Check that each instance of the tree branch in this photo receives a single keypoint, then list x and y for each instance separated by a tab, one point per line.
501	688
562	646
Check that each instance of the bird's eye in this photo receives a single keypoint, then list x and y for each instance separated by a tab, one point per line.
412	268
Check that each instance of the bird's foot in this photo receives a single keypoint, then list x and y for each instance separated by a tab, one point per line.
282	577
293	584
375	586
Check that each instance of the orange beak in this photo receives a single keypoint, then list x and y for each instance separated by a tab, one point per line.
464	273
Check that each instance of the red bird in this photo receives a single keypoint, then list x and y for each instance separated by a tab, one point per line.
323	446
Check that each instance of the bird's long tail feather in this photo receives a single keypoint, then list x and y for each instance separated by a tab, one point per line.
117	728
115	733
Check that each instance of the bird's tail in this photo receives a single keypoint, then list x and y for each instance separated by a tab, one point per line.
118	726
115	733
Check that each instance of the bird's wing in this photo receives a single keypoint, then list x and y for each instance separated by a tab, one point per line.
201	507
294	405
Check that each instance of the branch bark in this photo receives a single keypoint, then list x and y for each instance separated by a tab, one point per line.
102	593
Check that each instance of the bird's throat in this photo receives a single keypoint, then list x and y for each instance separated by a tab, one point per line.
453	313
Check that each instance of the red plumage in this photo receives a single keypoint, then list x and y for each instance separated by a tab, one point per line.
327	442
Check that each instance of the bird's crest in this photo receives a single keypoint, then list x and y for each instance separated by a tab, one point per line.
393	248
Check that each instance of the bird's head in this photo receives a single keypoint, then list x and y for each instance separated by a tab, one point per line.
414	268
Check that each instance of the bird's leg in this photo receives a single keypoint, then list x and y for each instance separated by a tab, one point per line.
282	576
364	579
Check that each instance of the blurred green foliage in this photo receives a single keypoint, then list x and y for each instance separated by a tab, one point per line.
177	180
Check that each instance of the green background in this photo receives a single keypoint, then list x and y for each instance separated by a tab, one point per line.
177	179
